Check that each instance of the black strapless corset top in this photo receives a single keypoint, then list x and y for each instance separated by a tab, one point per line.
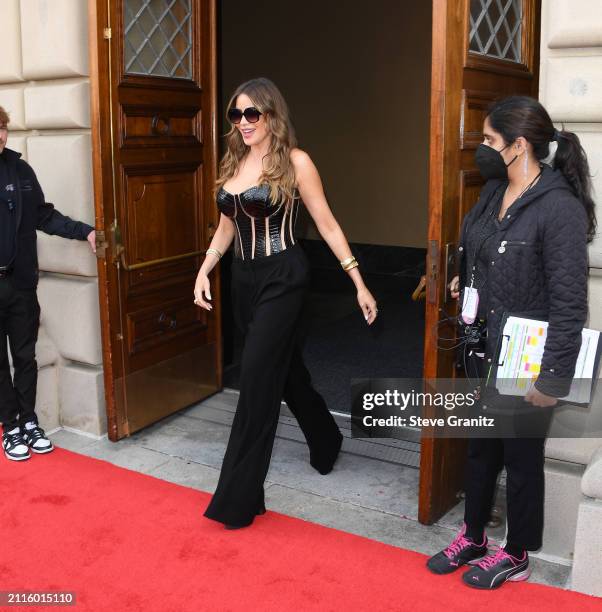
263	227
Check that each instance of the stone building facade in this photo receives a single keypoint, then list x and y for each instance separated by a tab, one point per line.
571	90
44	86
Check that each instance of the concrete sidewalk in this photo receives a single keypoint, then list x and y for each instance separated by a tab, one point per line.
372	497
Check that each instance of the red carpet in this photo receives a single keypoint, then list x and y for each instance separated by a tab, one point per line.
125	541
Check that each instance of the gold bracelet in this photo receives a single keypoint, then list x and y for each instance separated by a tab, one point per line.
214	252
347	261
350	266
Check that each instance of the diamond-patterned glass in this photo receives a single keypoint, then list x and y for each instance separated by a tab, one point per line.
496	28
158	37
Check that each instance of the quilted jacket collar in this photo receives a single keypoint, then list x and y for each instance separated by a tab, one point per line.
551	183
551	180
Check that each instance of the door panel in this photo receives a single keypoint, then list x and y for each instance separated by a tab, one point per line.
481	51
156	65
150	199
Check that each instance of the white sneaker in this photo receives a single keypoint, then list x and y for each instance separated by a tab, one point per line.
14	445
36	439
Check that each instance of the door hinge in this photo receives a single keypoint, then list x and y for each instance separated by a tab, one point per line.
101	244
118	248
451	267
114	242
108	243
432	272
107	33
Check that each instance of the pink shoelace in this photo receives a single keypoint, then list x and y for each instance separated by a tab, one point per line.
460	543
491	560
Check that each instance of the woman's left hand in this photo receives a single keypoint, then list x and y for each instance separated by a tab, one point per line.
537	398
367	304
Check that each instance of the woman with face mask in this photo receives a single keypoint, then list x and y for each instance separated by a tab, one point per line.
264	179
523	250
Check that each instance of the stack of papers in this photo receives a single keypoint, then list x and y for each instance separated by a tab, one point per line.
521	351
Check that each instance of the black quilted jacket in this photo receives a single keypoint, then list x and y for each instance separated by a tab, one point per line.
541	273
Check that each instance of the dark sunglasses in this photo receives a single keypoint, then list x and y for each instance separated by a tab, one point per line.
251	114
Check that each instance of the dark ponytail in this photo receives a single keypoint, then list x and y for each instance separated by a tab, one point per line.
571	160
524	116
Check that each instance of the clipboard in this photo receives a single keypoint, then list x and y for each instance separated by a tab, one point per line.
518	359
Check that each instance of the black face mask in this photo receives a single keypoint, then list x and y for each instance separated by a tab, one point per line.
490	162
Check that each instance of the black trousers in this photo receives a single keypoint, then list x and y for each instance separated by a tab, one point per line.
523	457
19	322
268	295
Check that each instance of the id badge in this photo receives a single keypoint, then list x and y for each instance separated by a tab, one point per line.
470	305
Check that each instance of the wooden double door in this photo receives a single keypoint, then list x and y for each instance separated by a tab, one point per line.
154	102
481	50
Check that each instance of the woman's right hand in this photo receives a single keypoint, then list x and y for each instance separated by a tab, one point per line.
454	287
202	290
367	304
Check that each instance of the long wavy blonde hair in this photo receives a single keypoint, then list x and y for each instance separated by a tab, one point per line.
278	171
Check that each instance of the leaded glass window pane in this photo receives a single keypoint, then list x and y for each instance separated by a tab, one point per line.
158	37
496	28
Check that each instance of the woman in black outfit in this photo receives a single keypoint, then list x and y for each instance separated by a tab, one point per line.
523	249
263	180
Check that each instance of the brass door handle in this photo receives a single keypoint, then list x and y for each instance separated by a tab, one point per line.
118	252
420	291
154	262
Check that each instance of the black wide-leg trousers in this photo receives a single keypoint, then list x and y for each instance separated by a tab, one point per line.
268	295
19	322
523	456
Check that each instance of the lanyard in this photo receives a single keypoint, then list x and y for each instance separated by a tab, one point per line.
491	213
482	239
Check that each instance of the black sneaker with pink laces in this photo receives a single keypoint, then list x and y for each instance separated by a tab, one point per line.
460	552
497	568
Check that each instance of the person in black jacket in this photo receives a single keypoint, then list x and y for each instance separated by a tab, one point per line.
523	251
23	210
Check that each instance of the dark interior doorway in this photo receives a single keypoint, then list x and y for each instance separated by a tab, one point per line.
358	86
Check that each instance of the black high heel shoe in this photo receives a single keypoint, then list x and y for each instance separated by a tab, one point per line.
258	513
